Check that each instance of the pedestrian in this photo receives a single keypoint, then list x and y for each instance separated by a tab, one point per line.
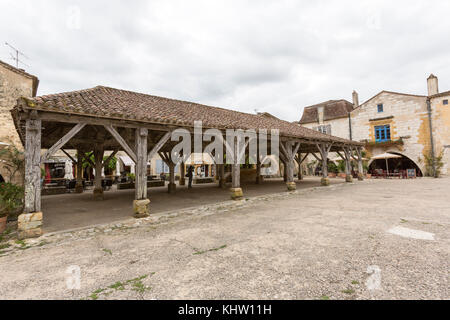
190	174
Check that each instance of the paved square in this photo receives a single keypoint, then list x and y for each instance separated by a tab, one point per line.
326	243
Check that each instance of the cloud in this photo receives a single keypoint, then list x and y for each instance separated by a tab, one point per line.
273	56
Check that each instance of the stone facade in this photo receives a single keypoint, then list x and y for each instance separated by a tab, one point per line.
408	120
440	106
407	117
14	83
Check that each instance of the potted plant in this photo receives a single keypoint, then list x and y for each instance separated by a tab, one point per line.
11	199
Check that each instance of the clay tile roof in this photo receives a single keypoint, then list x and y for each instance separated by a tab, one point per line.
121	104
333	109
22	73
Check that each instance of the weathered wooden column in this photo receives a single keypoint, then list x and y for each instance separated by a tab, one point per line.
236	190
182	174
288	151
79	184
259	178
222	180
30	222
299	161
141	203
98	158
348	167
324	149
360	164
172	186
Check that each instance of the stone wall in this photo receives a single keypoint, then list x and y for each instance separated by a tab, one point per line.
339	127
441	130
408	119
12	86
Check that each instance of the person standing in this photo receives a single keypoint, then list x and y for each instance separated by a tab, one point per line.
190	174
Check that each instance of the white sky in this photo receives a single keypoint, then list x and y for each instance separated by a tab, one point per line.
272	56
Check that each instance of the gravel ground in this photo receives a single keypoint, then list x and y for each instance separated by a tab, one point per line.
322	243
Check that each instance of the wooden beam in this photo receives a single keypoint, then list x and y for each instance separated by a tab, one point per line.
61	142
110	157
159	145
69	156
121	141
315	156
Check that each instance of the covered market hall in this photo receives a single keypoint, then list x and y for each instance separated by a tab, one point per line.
104	120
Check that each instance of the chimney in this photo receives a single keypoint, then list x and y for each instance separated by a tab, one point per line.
432	85
355	99
320	114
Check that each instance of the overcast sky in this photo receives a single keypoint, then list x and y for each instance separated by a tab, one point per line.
272	56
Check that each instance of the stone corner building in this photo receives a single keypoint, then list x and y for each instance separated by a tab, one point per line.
392	122
14	83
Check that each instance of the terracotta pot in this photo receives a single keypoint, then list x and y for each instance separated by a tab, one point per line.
3	223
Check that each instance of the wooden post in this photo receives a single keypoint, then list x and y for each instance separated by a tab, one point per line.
348	169
324	149
140	203
98	157
141	164
236	190
182	174
222	180
79	184
300	173
360	165
258	171
172	186
288	151
30	222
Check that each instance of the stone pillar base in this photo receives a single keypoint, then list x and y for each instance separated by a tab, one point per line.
29	225
236	193
291	186
348	178
182	182
360	177
325	182
98	194
79	189
171	187
140	208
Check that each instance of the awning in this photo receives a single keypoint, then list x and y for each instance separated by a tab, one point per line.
127	161
386	156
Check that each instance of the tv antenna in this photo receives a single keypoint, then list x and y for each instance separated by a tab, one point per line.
16	56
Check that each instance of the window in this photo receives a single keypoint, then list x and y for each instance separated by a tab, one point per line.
324	129
382	133
380	108
445	102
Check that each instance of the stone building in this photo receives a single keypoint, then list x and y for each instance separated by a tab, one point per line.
14	83
392	122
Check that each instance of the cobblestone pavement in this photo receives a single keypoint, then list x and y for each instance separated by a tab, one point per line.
377	239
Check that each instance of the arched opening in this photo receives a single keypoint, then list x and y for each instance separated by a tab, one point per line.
396	165
1	179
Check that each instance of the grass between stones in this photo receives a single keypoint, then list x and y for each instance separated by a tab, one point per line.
135	284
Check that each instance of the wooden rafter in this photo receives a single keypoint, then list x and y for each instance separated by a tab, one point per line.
122	142
61	142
